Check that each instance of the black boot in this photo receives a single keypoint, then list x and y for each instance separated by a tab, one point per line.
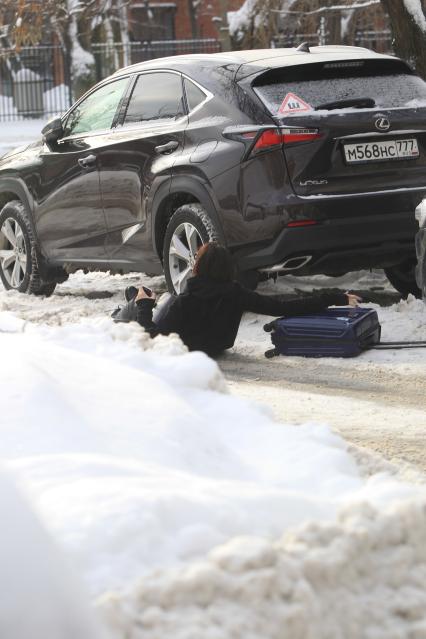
130	292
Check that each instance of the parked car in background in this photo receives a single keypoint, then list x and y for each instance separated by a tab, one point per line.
301	161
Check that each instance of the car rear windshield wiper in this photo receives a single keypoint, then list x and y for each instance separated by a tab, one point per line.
357	103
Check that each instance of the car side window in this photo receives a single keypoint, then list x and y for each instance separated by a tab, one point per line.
97	111
155	96
194	95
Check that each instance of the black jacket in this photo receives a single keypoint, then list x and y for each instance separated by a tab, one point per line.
208	314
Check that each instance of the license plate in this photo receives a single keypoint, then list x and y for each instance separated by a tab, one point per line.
381	151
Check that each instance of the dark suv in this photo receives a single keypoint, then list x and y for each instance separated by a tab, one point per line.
301	161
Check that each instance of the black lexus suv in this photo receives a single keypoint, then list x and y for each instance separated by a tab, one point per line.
299	161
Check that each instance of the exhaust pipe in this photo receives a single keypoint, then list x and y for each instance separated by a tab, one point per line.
291	264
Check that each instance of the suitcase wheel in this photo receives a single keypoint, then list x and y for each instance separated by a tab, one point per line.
268	327
271	353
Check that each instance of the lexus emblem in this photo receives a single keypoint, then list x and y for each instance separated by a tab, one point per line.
382	124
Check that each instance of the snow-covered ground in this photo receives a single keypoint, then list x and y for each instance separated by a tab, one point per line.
190	510
171	495
137	459
40	595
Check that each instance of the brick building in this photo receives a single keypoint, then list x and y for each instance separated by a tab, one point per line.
165	20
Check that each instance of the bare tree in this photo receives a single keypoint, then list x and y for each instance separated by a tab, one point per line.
74	23
408	23
22	22
259	22
254	25
192	11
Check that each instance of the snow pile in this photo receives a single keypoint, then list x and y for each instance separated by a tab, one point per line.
40	598
26	75
7	106
362	576
136	459
57	98
82	296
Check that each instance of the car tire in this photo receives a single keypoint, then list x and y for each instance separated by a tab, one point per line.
189	228
403	279
19	268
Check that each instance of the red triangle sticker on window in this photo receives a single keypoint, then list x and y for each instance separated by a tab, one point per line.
293	104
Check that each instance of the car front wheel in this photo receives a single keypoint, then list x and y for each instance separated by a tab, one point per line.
18	252
403	278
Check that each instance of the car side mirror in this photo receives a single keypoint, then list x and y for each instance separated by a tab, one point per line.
53	130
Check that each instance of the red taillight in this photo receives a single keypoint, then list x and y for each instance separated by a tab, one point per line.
275	137
270	137
302	223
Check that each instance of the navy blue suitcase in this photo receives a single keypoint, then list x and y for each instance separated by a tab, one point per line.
336	332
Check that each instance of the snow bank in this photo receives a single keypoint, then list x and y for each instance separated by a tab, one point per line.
94	295
136	458
57	98
7	106
40	598
361	576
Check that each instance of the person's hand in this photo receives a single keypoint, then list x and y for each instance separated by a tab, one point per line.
143	295
353	300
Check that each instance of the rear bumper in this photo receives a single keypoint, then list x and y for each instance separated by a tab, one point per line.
339	245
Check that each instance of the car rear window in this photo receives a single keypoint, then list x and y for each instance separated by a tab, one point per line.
299	89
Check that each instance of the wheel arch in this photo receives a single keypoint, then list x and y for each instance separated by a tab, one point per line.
13	189
183	191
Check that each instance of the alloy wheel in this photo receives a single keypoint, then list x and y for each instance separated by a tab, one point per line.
185	242
13	253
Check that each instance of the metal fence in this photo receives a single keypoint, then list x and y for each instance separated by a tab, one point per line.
36	82
110	58
380	41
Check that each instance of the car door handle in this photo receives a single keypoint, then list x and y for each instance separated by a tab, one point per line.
168	147
88	162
